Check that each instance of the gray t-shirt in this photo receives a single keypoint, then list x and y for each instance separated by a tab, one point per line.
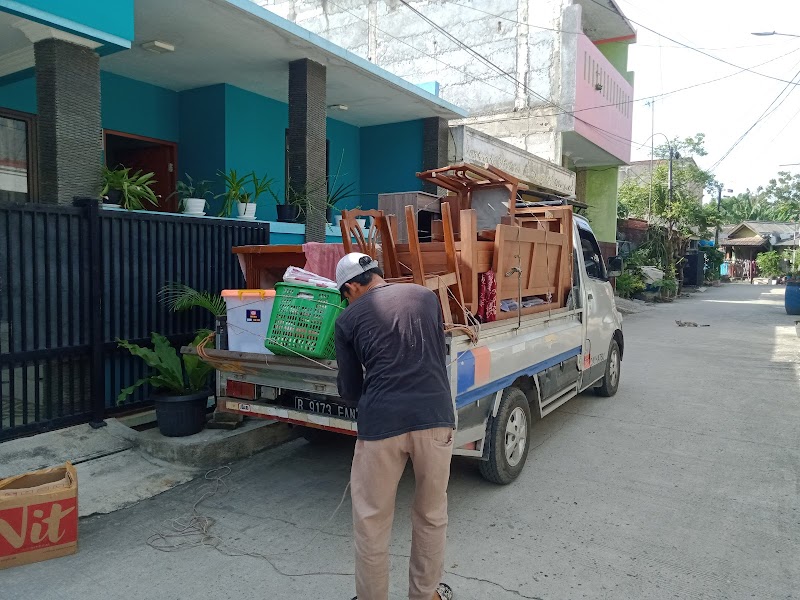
395	331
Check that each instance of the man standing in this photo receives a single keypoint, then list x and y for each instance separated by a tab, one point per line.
390	347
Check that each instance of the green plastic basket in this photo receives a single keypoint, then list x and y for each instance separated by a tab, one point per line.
302	321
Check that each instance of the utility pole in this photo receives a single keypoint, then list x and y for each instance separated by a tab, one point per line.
719	206
676	155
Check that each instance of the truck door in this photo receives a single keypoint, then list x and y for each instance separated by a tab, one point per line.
599	303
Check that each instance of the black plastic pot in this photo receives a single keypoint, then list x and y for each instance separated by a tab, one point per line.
288	213
113	197
180	416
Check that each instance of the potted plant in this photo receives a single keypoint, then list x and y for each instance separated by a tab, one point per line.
235	192
337	194
260	185
192	196
131	192
292	208
182	383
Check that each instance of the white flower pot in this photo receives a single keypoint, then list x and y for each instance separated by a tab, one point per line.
194	206
362	222
246	210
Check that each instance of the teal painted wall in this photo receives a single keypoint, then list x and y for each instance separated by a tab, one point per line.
113	17
345	159
396	147
255	131
134	107
19	95
201	149
128	105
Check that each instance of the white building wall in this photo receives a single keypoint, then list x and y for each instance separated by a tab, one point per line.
389	34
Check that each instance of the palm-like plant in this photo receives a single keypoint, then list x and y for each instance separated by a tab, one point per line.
180	297
134	190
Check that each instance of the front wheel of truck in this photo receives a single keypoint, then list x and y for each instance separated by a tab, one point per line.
508	438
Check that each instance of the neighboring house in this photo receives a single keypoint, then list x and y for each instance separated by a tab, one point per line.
748	239
559	89
640	170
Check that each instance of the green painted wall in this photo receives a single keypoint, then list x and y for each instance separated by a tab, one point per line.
139	108
601	196
617	55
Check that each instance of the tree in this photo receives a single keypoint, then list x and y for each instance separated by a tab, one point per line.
747	206
681	216
689	146
784	192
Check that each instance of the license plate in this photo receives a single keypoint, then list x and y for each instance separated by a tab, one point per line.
330	409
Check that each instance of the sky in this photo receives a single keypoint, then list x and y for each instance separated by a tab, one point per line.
725	109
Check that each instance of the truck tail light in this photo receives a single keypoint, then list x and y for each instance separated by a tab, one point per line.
241	390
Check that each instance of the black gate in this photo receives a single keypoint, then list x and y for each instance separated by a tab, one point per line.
73	279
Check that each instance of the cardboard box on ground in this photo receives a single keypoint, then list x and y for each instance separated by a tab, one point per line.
38	516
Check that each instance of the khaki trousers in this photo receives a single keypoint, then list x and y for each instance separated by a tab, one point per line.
377	468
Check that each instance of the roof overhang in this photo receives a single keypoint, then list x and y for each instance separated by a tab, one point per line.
240	43
756	241
604	22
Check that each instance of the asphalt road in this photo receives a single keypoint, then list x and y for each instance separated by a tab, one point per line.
684	485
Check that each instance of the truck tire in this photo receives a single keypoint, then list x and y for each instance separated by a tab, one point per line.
610	382
508	438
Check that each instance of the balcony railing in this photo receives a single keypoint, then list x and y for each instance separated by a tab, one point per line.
603	103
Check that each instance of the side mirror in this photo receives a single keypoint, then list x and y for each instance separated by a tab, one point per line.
615	266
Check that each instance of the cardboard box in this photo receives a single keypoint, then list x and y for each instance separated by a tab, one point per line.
38	516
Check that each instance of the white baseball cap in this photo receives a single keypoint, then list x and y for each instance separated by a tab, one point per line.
353	265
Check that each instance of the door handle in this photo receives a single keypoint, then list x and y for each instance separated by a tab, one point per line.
591	296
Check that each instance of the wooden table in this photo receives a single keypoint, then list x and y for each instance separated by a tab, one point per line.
263	266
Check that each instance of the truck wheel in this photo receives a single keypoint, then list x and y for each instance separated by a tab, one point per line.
508	438
610	382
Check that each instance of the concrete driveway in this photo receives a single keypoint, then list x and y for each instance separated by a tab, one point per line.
684	485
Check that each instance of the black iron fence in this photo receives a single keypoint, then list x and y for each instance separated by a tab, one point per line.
73	279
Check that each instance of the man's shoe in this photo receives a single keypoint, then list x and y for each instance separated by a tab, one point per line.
445	591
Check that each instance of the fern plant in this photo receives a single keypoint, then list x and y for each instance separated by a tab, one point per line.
177	375
179	297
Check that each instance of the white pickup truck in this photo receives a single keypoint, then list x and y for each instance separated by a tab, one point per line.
518	370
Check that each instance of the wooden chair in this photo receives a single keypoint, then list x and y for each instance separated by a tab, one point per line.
379	235
442	283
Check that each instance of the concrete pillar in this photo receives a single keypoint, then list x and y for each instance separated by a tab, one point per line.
435	139
69	129
306	141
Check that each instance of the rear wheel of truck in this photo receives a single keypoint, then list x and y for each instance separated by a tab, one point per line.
508	438
610	382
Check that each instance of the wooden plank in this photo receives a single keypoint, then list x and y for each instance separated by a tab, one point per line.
468	255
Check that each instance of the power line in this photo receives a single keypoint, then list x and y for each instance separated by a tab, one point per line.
763	116
472	78
703	52
486	61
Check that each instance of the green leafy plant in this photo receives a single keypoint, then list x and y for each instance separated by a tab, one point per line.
134	190
769	264
629	284
177	375
260	186
669	284
714	260
188	188
179	297
234	191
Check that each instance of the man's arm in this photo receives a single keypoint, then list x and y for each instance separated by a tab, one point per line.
351	374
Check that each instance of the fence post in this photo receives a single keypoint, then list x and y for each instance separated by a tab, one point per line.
96	322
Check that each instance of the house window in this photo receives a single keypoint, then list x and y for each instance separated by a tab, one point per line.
17	152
